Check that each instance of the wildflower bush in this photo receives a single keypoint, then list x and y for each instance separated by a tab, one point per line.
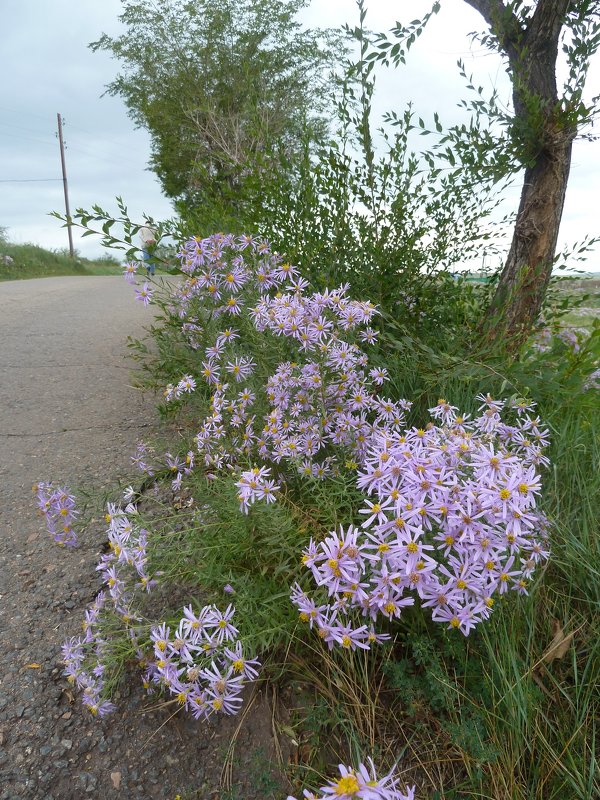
452	523
307	502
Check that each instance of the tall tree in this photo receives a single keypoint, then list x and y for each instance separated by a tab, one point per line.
222	86
543	127
538	39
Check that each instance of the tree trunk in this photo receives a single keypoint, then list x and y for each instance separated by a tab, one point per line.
544	133
517	302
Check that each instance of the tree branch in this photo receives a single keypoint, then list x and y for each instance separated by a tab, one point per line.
490	10
503	24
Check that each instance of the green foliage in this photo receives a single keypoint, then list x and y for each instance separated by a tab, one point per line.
368	210
391	227
121	233
363	208
213	545
222	87
259	774
431	673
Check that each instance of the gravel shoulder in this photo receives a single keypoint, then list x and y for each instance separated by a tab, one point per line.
68	414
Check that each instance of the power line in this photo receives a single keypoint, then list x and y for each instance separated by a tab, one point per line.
105	157
27	180
25	111
27	138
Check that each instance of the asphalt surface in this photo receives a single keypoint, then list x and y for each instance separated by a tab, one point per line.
68	415
64	390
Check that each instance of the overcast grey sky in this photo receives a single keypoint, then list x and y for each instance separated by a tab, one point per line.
48	68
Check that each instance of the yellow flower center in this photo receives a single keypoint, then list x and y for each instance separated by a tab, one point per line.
347	786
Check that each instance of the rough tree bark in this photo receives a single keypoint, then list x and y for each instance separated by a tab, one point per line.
545	134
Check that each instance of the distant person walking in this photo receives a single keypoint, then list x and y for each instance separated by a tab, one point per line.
148	239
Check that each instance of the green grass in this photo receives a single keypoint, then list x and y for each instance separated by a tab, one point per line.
583	296
541	712
31	261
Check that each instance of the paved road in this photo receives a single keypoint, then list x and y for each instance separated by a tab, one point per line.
63	379
67	414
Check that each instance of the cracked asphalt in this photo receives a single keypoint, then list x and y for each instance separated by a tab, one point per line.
68	414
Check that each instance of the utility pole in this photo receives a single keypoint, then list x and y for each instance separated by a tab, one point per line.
65	187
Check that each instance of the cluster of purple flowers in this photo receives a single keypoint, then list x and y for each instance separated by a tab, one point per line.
147	461
328	398
201	662
452	522
452	517
58	508
325	399
143	294
179	466
83	657
142	455
124	568
593	380
575	339
255	484
361	784
572	337
186	385
224	271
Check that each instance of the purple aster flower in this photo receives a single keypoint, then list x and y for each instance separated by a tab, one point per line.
144	294
129	271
